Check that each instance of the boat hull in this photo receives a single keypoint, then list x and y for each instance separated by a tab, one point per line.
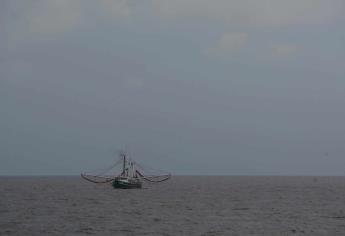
126	185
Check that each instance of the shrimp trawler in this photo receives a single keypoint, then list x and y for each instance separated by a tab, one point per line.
131	174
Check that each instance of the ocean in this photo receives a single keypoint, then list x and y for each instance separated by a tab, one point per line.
184	205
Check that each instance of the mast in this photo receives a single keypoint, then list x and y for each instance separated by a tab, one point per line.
132	169
124	164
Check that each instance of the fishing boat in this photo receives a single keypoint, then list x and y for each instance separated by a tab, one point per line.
131	174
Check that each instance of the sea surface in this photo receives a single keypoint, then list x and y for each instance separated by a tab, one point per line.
193	205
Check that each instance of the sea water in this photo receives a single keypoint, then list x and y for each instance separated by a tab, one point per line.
184	205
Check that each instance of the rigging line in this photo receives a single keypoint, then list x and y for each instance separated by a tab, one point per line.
155	176
152	169
111	167
151	179
95	181
103	171
156	181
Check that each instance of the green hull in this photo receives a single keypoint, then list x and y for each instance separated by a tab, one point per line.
124	185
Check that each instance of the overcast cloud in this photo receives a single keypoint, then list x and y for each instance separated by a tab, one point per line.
191	87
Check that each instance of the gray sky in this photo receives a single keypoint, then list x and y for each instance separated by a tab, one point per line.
189	86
